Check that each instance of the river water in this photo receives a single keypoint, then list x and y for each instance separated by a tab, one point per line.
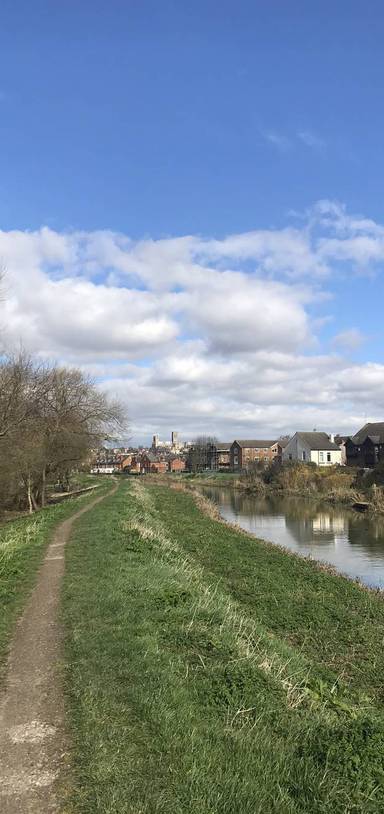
350	542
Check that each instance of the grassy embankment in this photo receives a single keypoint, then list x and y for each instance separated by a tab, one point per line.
22	545
208	672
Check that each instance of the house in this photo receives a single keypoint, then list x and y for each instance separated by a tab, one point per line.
281	444
244	454
366	448
151	463
131	465
124	462
219	456
105	468
176	464
312	447
341	441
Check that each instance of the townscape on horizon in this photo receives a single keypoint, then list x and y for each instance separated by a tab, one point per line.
364	449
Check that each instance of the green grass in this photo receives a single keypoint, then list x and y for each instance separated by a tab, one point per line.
22	545
210	673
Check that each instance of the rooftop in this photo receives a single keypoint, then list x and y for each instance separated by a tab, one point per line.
370	429
255	444
317	440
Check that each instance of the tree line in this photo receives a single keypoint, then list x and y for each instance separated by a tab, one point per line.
51	417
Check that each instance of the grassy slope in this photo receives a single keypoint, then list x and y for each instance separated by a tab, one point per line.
195	677
328	617
22	545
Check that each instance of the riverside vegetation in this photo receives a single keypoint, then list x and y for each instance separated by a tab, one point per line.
334	484
210	672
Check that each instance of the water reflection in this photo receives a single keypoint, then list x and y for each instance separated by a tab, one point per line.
350	542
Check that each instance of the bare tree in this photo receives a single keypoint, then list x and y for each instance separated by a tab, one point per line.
50	419
200	453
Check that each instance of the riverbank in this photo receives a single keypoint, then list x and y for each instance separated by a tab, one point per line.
336	486
207	671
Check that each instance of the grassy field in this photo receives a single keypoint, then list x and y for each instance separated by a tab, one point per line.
22	545
209	673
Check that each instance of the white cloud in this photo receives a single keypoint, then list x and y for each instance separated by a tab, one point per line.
284	144
350	339
284	251
311	139
278	140
237	313
201	334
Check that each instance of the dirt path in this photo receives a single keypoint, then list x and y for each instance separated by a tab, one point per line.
33	748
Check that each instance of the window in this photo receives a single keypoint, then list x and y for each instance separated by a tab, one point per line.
329	457
304	455
290	457
235	460
321	457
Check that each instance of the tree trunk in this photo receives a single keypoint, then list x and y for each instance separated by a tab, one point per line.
29	494
43	488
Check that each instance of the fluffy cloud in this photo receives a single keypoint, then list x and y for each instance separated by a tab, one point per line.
201	334
350	339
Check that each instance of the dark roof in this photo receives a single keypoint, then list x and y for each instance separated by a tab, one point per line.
375	430
151	457
283	442
255	444
223	446
317	440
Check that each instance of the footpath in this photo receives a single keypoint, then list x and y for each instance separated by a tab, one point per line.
34	753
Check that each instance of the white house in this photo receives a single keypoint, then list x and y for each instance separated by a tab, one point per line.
312	447
104	468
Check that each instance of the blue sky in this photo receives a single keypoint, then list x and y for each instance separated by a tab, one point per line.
160	120
152	118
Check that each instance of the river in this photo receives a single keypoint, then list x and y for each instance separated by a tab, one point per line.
350	542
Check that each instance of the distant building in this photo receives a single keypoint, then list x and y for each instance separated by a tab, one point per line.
219	456
341	441
175	440
312	447
151	463
105	467
155	442
366	448
281	444
244	454
176	465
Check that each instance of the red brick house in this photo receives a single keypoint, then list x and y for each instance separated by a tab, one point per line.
125	462
150	463
176	465
131	464
246	453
